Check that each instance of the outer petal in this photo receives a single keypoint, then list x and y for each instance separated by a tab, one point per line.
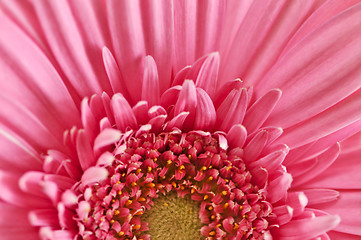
261	36
197	25
36	98
327	63
325	123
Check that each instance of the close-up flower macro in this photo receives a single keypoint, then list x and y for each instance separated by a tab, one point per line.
180	119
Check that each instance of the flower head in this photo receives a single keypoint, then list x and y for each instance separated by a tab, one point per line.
156	120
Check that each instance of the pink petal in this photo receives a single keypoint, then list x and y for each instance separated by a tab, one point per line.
106	159
205	72
254	148
187	102
41	132
331	62
267	31
271	161
185	32
44	217
278	187
123	113
11	193
236	136
156	111
344	173
324	123
297	201
128	42
90	125
93	175
226	88
12	216
114	75
260	110
177	121
107	137
343	236
65	217
210	15
12	148
38	96
31	182
232	109
319	196
18	233
314	148
140	111
66	45
205	112
158	29
84	150
181	76
150	86
284	214
323	161
306	228
322	14
157	122
48	233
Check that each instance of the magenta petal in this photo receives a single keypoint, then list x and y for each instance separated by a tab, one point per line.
65	217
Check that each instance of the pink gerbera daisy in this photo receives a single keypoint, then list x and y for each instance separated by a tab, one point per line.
180	120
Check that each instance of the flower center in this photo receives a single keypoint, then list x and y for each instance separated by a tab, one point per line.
173	184
173	217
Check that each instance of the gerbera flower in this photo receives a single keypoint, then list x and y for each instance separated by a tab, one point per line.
180	119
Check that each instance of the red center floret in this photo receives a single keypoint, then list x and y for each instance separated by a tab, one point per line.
193	164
